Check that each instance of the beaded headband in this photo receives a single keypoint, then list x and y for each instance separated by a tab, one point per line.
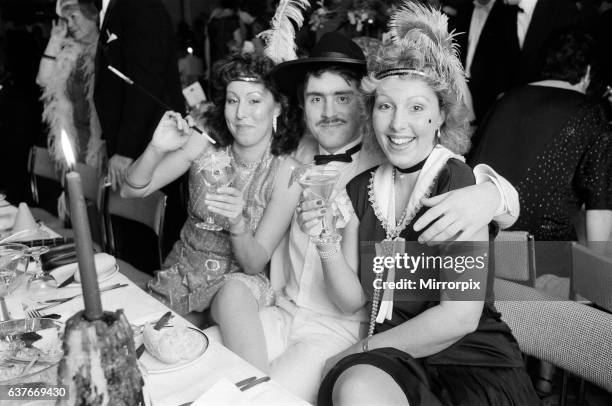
399	72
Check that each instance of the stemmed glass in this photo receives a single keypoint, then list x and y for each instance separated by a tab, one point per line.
218	171
318	182
41	285
11	266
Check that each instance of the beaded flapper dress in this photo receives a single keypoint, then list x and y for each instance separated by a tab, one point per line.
201	261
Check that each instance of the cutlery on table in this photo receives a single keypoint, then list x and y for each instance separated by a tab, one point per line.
56	302
65	299
243	385
255	382
163	320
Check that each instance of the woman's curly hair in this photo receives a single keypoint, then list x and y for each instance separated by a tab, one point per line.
455	131
286	138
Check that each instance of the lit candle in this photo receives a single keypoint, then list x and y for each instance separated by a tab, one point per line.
82	233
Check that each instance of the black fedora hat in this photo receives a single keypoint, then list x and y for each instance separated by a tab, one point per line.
332	49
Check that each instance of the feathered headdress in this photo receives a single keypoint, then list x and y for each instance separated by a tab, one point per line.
421	30
280	39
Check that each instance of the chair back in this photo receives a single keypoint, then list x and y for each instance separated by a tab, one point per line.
41	164
570	335
591	276
514	257
149	211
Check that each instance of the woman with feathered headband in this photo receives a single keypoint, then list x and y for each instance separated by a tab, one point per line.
223	266
427	344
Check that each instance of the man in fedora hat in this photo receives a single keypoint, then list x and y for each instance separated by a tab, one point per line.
308	325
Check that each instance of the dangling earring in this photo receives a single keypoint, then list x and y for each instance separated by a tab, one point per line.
274	124
437	135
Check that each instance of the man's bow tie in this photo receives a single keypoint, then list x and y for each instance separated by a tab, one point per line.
344	157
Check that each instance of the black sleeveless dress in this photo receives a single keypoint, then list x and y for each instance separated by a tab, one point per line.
485	367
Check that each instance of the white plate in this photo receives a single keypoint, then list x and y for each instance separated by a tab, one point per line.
100	280
155	366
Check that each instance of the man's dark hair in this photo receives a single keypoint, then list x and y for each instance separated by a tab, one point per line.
569	54
348	74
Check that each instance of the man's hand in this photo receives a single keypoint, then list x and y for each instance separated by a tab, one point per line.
310	212
117	170
458	214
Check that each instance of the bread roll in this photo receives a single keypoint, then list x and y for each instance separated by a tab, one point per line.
173	344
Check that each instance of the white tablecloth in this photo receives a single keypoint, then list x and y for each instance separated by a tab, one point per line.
187	384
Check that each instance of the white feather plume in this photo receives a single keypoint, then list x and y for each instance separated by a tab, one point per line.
417	26
280	38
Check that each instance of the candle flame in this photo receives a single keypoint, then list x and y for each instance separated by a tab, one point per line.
190	50
67	149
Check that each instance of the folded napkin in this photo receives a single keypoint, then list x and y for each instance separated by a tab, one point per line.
105	265
221	394
11	309
7	216
24	220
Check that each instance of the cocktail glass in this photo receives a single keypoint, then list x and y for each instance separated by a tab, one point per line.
319	182
218	171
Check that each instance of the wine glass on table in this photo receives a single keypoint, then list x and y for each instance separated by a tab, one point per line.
217	171
41	285
318	182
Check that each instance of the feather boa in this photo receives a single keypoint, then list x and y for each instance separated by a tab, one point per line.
58	108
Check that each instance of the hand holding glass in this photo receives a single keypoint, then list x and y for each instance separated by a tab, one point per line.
215	177
318	183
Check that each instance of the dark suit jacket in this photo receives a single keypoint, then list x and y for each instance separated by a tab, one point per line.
549	17
144	50
496	55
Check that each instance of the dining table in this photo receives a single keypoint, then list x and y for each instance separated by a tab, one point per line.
215	370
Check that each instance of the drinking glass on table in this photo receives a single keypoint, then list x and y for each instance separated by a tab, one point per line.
13	264
41	285
318	183
217	171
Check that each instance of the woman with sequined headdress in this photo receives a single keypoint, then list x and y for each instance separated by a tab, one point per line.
66	75
427	344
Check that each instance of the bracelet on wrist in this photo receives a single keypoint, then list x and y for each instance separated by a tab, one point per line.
49	57
133	185
327	251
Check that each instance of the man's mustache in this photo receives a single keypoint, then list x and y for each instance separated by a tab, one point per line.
332	120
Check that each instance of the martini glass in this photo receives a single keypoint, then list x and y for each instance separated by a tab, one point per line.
217	172
319	182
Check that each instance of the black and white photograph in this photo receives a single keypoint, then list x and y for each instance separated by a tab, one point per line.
306	202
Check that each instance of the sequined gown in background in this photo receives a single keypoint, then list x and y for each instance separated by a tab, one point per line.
555	147
201	261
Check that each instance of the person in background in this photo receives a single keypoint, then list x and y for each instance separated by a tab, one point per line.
66	75
553	142
137	38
